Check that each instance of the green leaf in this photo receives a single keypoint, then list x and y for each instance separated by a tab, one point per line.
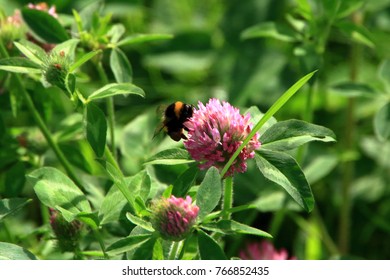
357	33
353	89
90	219
273	201
33	52
116	32
270	30
142	38
384	71
79	154
287	135
185	180
96	128
119	181
319	167
233	227
120	66
145	251
68	47
282	169
88	12
209	192
158	252
44	25
139	222
115	203
271	111
170	157
209	248
140	207
113	207
19	65
256	116
115	89
132	254
347	7
382	123
167	192
126	244
55	190
304	9
83	60
9	206
14	179
3	129
140	184
10	251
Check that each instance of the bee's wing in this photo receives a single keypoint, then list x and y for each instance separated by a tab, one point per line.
160	111
158	129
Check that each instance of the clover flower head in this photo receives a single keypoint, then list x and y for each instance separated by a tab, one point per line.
264	250
215	132
174	217
11	28
15	19
56	68
66	233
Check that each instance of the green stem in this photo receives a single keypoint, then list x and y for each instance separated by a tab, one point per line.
308	113
78	253
101	242
345	211
110	108
237	243
119	179
227	198
276	222
110	158
42	126
175	250
9	237
328	241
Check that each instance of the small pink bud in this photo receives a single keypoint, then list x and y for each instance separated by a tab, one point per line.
67	234
174	217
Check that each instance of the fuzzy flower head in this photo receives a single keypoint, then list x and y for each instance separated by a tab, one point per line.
56	68
67	234
174	217
11	27
215	132
264	251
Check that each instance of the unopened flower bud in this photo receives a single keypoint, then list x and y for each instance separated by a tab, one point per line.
174	217
67	234
56	69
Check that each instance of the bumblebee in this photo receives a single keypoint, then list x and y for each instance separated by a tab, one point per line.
175	115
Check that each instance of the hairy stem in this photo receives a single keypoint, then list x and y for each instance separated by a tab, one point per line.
110	108
348	168
227	198
175	250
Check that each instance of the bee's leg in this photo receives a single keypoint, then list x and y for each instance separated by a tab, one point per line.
184	137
